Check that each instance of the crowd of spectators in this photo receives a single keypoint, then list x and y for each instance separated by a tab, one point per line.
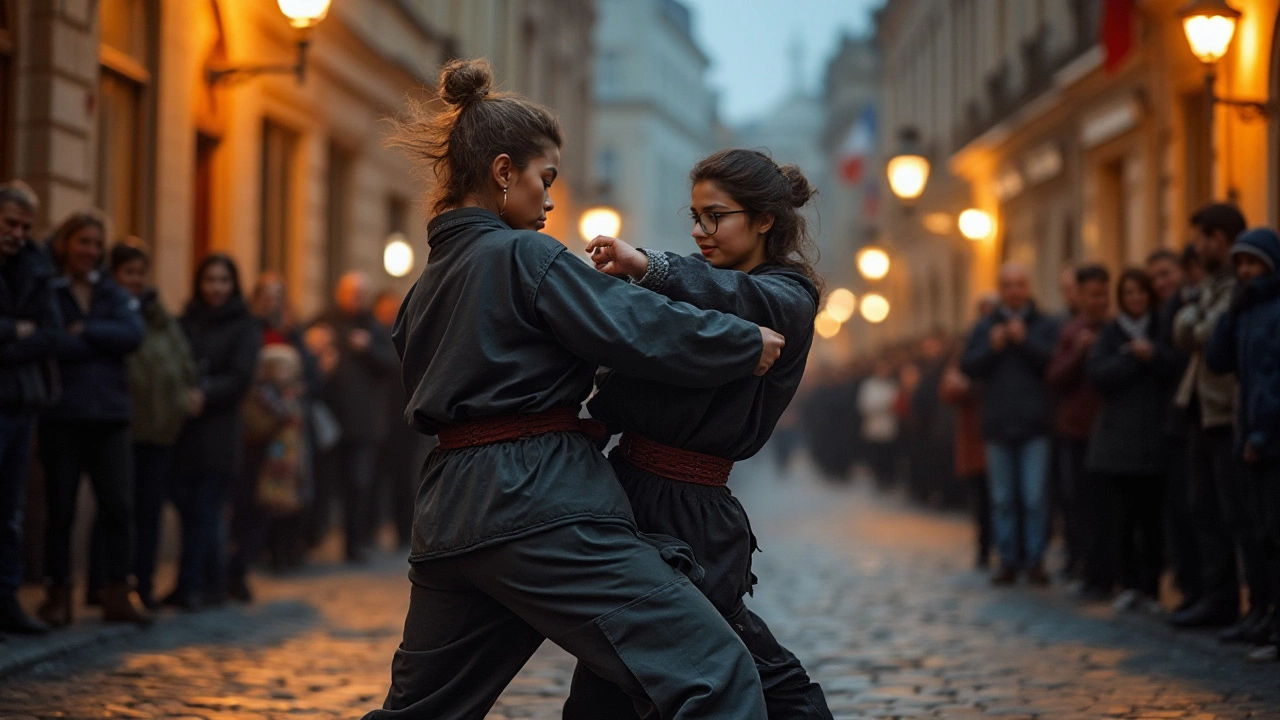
1140	426
257	428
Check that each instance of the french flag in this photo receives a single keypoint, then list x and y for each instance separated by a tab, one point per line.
855	151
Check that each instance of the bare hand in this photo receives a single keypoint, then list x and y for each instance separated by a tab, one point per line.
614	257
773	344
1251	454
1142	349
359	340
1086	339
999	337
955	380
195	402
24	329
1017	331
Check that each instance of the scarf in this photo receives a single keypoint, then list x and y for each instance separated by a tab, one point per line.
1135	328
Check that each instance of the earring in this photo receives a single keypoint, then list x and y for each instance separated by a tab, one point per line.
504	203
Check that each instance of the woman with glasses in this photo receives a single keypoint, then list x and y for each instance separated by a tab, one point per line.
678	445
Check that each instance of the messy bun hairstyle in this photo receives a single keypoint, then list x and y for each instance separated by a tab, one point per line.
477	124
763	188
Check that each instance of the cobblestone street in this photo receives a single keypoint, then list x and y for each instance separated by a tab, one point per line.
880	602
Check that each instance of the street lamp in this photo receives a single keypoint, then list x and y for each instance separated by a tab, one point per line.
840	305
303	15
875	308
908	170
1210	25
873	263
976	224
397	256
600	221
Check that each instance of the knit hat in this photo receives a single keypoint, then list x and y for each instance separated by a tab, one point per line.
1260	242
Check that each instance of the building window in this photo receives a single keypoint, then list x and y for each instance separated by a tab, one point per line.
607	170
337	220
279	150
123	120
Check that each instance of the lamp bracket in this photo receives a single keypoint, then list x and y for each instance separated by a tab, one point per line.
1248	110
240	73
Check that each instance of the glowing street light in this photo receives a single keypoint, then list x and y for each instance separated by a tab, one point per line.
908	170
873	263
1209	26
826	326
875	308
397	256
303	14
976	224
841	304
599	221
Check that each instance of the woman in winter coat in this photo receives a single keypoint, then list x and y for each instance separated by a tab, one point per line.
1127	449
162	387
88	430
225	340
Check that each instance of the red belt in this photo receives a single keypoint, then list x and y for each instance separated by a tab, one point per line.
504	428
683	465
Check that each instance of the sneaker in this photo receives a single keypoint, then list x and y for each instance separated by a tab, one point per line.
1127	601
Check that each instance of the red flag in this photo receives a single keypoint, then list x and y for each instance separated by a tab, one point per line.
1116	32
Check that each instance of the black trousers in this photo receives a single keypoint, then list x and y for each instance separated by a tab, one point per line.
1184	544
101	450
598	590
980	510
1137	503
882	460
250	521
1224	528
715	526
1070	481
150	487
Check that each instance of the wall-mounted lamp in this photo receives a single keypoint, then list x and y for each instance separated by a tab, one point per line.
303	15
1210	26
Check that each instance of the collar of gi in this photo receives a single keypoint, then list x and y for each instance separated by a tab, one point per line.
459	218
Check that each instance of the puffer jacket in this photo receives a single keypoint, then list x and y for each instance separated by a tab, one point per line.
161	375
26	366
1192	328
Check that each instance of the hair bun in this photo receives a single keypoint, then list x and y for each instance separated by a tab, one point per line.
801	191
463	82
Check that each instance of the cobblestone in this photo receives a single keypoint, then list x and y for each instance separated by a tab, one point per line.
878	601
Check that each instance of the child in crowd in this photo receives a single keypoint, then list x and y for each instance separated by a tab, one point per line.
1247	342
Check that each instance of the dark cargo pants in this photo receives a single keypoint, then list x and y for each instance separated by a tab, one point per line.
714	524
599	591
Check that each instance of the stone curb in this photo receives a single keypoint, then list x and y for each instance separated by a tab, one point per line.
18	654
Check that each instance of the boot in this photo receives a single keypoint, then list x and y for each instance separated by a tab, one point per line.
55	611
1252	629
13	619
1209	612
117	606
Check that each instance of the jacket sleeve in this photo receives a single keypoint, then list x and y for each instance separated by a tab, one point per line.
637	332
1220	354
120	333
1194	325
1109	367
1042	338
979	357
44	343
1264	401
768	300
225	389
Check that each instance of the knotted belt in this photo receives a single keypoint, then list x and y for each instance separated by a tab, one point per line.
683	465
504	428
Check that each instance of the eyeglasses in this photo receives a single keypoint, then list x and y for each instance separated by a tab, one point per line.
710	221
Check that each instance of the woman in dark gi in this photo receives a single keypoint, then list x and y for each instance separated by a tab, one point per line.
678	445
521	531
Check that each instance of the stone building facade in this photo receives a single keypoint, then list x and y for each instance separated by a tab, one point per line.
1079	157
107	104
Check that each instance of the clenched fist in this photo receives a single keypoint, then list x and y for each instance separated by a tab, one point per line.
773	344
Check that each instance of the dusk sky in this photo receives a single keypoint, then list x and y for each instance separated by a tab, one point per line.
750	44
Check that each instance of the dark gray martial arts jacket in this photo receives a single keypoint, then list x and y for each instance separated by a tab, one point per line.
731	421
507	321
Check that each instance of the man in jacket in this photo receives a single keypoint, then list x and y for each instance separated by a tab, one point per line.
1075	405
1247	342
1008	352
355	390
1209	399
29	321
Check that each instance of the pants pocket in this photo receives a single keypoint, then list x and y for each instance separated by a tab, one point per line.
675	553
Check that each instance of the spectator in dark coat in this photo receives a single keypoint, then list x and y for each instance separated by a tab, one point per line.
29	324
1128	449
162	388
1247	343
355	390
1075	403
87	431
225	340
1008	352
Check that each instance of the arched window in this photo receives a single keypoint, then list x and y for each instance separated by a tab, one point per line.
123	117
